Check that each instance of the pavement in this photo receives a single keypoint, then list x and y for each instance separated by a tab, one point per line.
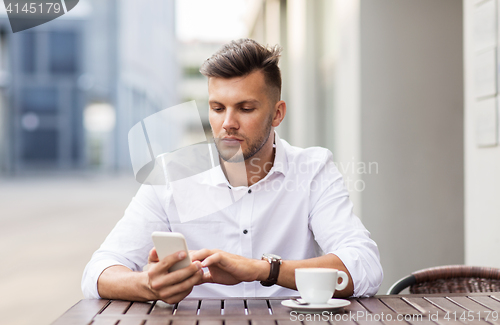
49	228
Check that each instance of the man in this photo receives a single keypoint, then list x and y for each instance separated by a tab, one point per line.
294	205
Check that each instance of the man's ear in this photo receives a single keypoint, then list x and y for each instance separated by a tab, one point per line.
279	113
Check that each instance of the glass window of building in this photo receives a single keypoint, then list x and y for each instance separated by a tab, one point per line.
63	52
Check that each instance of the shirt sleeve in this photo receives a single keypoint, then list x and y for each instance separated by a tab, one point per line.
130	241
337	230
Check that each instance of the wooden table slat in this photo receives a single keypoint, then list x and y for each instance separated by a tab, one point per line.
357	309
343	316
162	309
355	306
468	303
312	318
286	322
237	322
367	311
140	308
446	304
182	322
457	321
234	307
439	308
82	312
490	321
426	305
424	321
375	312
263	322
128	321
157	322
257	307
116	307
435	313
278	309
210	307
399	305
487	301
469	312
374	305
187	308
210	322
104	321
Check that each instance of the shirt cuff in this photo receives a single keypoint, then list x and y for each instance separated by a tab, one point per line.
91	275
358	270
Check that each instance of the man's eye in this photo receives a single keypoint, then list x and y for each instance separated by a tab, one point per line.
217	109
247	109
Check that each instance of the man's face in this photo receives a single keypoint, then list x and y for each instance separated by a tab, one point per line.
241	114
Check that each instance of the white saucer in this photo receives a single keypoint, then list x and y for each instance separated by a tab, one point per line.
332	304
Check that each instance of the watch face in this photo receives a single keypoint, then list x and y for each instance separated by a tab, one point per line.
273	256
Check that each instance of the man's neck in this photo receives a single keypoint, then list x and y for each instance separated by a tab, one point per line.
255	168
258	167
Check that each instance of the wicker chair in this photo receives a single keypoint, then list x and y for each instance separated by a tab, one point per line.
450	279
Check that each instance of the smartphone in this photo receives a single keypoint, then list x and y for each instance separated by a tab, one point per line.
167	243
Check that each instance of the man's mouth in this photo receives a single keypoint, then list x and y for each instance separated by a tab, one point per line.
231	140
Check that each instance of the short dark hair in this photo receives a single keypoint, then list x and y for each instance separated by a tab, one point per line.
241	57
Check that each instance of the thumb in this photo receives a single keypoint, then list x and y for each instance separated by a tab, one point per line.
153	256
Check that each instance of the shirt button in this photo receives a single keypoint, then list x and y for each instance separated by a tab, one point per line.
249	191
245	231
229	187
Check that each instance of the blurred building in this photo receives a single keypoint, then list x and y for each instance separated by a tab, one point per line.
193	85
42	104
147	70
71	89
380	83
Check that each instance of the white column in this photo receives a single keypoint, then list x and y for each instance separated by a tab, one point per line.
297	113
272	22
347	120
482	160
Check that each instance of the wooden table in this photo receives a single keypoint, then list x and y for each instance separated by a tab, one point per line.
430	309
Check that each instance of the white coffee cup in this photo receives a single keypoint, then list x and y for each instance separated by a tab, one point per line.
317	285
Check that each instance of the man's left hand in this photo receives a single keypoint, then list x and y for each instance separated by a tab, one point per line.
229	269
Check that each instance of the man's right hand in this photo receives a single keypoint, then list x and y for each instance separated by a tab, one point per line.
175	286
119	282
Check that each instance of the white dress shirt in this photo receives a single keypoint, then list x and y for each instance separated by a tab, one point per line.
300	210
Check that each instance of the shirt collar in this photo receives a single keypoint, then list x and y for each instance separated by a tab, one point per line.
280	163
280	159
216	173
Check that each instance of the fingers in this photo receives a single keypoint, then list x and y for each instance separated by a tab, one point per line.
172	278
153	256
207	278
201	254
158	275
178	297
176	292
159	271
172	287
212	259
201	279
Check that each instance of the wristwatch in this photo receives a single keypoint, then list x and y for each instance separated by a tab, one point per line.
275	262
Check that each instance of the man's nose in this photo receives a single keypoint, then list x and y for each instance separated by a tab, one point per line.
230	120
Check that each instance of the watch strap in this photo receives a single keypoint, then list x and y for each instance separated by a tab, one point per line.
273	272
